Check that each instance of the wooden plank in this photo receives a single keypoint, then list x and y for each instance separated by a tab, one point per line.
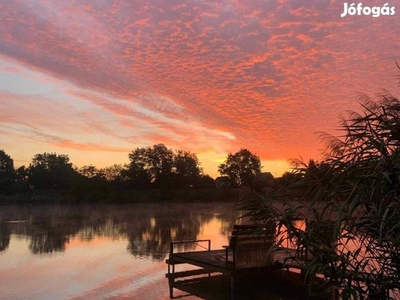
215	259
172	262
210	260
188	273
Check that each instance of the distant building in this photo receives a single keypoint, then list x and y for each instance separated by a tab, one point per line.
223	182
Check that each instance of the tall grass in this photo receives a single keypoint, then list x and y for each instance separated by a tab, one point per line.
353	206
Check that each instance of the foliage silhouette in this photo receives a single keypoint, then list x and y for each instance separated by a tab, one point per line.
7	172
351	202
51	171
186	168
205	181
162	168
155	162
241	167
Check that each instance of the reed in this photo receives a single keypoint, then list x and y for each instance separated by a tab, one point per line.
351	201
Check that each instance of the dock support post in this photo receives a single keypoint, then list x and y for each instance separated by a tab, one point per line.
232	287
171	279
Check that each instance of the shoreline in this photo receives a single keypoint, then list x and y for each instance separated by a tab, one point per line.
33	197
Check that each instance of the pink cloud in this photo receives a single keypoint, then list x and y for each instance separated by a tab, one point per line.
268	73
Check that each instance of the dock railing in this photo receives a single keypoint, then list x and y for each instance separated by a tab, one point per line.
171	251
171	275
173	243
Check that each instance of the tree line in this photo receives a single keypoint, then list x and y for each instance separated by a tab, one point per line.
156	167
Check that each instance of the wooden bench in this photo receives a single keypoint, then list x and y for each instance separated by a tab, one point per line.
251	247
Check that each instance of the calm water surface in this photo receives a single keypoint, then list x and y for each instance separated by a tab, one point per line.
100	252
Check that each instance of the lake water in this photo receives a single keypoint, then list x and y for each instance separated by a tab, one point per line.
100	251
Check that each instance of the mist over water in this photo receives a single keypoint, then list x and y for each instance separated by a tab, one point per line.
100	252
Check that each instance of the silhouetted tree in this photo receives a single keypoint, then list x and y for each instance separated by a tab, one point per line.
90	184
113	173
21	179
136	176
241	167
161	163
21	174
7	172
144	167
50	170
90	171
186	168
206	181
162	168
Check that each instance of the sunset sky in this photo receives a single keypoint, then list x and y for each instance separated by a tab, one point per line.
96	79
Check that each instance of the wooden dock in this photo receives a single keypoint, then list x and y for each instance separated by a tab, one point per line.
252	251
213	262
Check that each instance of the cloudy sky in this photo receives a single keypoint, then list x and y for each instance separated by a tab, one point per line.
95	79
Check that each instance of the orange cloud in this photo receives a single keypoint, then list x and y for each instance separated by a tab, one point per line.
210	76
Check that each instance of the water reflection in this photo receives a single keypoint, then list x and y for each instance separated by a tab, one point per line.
4	237
98	252
149	229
